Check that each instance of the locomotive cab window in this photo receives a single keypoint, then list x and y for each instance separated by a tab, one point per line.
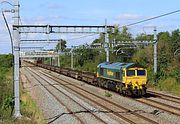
118	75
141	72
101	71
130	73
122	73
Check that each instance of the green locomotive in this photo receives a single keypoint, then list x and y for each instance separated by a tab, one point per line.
125	78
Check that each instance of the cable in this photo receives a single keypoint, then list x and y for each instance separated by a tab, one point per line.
150	18
10	35
7	2
81	37
72	39
21	23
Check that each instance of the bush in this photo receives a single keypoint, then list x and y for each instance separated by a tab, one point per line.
5	84
170	85
107	94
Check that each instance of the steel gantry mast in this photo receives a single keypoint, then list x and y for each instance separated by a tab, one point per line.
155	51
42	29
61	29
16	40
50	29
106	42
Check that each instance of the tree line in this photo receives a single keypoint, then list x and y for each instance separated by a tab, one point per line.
168	54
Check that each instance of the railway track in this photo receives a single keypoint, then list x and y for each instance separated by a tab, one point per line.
164	96
127	120
32	73
161	106
114	107
151	102
54	97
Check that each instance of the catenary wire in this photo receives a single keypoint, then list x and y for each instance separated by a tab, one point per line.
145	20
10	35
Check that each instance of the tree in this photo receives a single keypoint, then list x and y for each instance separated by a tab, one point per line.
118	35
100	39
144	37
123	35
61	45
175	40
85	54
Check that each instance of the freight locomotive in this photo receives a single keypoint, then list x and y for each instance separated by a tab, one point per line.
124	78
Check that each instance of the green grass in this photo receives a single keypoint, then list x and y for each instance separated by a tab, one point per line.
107	94
30	112
169	85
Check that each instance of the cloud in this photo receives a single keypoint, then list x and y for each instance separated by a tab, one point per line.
54	6
5	44
128	16
162	24
93	11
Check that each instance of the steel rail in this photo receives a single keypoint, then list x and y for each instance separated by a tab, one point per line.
164	96
30	72
115	104
161	106
71	99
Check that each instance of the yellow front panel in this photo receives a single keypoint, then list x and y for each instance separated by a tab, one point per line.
136	81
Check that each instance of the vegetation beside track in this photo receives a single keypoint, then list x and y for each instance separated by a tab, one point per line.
30	113
168	76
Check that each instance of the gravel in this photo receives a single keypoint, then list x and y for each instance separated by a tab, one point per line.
57	113
48	104
89	119
153	113
177	105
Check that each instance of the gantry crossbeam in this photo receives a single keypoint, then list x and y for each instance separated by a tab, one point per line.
60	29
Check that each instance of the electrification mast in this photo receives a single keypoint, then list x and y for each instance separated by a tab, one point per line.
106	42
16	40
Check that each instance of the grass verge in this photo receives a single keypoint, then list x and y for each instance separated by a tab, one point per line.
30	113
107	94
169	85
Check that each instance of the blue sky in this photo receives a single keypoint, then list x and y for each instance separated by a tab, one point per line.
93	12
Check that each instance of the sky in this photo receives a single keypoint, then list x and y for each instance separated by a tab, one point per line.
91	12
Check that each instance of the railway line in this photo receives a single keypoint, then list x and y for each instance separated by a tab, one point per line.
134	116
35	73
115	108
161	106
156	104
151	93
78	118
164	96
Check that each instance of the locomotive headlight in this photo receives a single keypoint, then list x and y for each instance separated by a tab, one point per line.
143	82
137	83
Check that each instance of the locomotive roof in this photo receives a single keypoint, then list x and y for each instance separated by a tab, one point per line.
116	65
